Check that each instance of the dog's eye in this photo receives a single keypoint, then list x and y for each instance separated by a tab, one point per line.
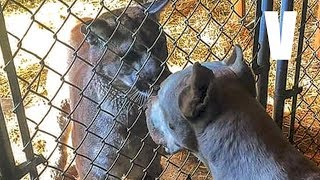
171	126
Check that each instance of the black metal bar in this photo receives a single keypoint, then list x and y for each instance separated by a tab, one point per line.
7	164
16	94
281	74
298	67
255	49
263	61
24	168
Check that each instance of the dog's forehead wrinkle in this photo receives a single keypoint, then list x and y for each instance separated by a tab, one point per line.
173	82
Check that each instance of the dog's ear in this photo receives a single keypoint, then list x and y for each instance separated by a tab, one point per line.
97	29
242	70
197	93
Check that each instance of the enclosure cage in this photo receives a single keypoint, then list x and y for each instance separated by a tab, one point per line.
47	79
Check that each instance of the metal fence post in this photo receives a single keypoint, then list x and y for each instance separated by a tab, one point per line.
263	59
16	96
280	93
7	164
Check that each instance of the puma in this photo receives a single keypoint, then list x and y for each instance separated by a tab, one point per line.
111	72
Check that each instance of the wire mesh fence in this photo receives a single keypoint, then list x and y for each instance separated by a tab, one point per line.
80	72
304	127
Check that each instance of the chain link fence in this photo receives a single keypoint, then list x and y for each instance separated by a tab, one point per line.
303	78
76	75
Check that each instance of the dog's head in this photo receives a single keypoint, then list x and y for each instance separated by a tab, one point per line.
128	46
189	100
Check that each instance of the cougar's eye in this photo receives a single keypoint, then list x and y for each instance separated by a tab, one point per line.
92	39
131	56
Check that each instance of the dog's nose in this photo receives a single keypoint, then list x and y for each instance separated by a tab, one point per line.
151	100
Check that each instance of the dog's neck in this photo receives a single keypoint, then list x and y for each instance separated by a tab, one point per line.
243	141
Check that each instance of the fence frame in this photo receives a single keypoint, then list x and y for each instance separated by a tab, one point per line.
261	63
31	160
280	92
7	164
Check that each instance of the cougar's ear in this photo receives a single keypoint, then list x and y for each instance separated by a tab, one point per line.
97	29
197	93
83	27
155	7
242	70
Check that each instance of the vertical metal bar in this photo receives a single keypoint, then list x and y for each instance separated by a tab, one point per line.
263	60
7	164
16	94
281	74
257	21
298	66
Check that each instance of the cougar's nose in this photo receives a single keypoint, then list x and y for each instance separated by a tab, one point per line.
142	85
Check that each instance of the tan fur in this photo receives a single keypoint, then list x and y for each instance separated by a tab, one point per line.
104	147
